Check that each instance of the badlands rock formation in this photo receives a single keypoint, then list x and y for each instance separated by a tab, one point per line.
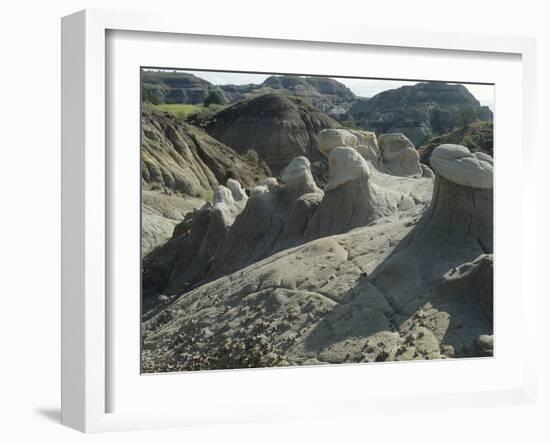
362	141
325	94
185	258
350	198
184	159
180	167
415	283
277	127
476	136
399	156
273	218
279	215
421	111
160	213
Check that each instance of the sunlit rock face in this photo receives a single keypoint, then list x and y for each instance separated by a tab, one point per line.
366	271
350	200
363	141
275	218
399	156
458	165
297	178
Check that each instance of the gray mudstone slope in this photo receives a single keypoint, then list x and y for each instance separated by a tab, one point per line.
277	127
421	111
278	216
414	284
181	166
325	94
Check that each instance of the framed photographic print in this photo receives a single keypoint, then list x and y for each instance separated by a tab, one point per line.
278	223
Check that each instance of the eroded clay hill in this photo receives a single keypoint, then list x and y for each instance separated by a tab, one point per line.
276	126
390	261
181	165
288	212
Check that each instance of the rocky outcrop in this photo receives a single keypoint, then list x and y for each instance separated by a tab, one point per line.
457	164
477	137
325	94
272	219
446	262
413	284
398	155
174	87
186	257
183	159
350	200
160	213
277	127
180	167
362	141
421	111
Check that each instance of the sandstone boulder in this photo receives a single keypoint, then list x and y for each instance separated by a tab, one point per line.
458	165
398	155
364	142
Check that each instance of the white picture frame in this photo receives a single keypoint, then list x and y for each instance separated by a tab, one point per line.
85	307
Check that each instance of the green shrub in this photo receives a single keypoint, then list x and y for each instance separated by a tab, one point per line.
214	97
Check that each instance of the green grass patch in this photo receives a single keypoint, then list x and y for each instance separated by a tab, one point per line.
182	111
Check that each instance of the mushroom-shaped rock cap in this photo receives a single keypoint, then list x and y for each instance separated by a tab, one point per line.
236	190
345	164
222	195
267	185
297	168
399	156
328	139
297	176
457	164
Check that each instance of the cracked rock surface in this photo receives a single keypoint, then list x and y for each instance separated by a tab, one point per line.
411	280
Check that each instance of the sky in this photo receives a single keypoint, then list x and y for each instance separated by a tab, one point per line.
359	86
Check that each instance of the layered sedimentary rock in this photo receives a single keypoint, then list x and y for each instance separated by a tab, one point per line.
398	155
180	167
421	111
414	284
476	136
277	127
325	94
183	159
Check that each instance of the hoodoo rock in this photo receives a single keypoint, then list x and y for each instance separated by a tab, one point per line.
185	258
297	178
237	233
412	284
275	218
181	165
399	156
444	263
362	141
350	199
458	165
239	195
